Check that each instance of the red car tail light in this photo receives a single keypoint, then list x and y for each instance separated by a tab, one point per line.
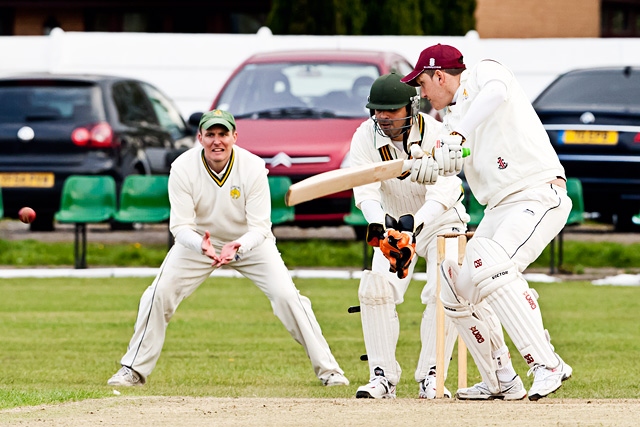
99	135
636	138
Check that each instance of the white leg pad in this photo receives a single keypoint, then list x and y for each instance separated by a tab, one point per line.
476	333
427	360
515	304
380	325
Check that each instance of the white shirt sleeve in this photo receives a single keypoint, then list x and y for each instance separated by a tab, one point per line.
189	239
372	211
493	79
428	213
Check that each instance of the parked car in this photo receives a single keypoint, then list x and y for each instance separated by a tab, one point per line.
592	116
56	125
298	111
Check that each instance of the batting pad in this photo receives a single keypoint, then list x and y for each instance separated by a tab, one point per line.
380	325
515	304
476	333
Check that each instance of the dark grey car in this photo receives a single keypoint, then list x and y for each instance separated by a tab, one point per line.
592	117
56	125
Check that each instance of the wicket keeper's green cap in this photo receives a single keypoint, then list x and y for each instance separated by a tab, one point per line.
217	117
389	93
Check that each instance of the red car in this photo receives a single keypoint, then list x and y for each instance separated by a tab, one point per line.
298	111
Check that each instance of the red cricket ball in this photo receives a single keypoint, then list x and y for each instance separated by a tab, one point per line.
27	215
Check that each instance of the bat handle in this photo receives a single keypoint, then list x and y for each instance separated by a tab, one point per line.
406	165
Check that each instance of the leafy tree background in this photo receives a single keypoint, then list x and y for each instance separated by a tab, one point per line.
370	17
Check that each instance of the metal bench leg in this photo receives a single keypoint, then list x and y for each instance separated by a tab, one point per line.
80	246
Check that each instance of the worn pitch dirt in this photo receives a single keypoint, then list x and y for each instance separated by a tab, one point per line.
250	412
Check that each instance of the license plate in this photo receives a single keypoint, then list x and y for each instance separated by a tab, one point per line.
589	137
27	179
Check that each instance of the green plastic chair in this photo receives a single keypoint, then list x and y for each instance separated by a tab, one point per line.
576	217
356	219
86	199
280	212
1	205
145	199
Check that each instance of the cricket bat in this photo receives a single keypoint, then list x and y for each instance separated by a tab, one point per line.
343	179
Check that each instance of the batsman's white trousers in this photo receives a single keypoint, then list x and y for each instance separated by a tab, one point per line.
183	270
523	224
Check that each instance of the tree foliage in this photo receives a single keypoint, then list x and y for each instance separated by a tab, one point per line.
372	17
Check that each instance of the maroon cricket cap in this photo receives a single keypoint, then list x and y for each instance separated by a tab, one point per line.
437	57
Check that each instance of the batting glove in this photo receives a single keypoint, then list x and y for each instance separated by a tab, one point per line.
448	154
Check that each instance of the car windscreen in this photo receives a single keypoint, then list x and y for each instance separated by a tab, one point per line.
300	90
610	89
31	101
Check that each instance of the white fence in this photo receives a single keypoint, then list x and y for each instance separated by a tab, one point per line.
191	68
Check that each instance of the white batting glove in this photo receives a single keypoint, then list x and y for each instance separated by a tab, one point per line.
424	171
448	155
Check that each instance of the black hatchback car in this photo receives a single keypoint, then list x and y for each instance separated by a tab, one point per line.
592	117
56	125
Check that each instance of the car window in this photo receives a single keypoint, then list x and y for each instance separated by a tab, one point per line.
132	104
338	89
168	115
593	89
49	101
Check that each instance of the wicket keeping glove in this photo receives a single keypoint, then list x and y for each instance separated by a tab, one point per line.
448	154
399	243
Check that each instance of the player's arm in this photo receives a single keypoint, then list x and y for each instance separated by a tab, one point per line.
493	79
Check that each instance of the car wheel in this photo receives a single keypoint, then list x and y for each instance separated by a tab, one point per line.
43	222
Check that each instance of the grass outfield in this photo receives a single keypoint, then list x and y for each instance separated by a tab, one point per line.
61	339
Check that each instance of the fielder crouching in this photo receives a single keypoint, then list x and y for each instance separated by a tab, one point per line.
220	215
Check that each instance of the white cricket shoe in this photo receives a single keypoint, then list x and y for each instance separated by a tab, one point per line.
378	388
547	381
511	390
428	388
126	377
335	379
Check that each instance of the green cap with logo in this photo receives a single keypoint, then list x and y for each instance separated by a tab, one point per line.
217	117
389	93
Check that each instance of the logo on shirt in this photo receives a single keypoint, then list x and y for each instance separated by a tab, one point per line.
235	192
465	95
502	164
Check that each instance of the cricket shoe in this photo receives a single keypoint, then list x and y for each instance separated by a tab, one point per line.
428	388
378	388
547	381
335	379
511	390
126	377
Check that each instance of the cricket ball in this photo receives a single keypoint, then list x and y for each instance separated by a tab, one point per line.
27	215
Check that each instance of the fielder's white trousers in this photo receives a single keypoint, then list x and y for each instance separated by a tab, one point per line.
183	270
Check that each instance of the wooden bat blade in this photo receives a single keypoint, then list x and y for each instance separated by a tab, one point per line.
343	179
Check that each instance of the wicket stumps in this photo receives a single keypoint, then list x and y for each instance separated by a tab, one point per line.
462	348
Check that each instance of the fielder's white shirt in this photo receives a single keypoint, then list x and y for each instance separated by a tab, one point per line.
510	150
234	205
401	196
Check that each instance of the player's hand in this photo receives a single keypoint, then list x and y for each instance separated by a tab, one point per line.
207	247
448	154
227	254
424	171
399	243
